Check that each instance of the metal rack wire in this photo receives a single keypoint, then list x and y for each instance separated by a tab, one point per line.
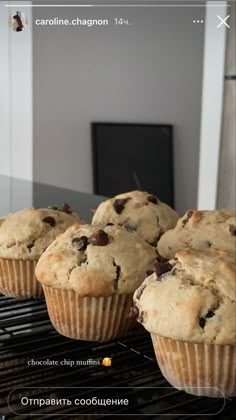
27	334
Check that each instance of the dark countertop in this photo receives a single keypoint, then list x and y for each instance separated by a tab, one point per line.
15	193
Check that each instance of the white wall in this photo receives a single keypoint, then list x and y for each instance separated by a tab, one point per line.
227	166
15	110
5	149
151	72
212	105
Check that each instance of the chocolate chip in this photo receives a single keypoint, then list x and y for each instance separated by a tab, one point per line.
110	224
30	246
232	230
118	270
149	272
66	208
152	199
202	322
188	216
80	243
134	312
119	204
50	221
161	268
100	238
53	207
140	292
210	314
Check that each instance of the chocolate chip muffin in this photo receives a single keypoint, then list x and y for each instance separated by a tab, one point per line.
89	275
189	306
24	236
137	211
201	230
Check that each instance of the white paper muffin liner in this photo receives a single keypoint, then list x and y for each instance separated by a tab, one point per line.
197	368
88	318
17	278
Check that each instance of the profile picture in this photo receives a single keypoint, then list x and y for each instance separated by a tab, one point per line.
17	21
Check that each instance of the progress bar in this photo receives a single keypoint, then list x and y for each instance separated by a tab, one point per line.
115	5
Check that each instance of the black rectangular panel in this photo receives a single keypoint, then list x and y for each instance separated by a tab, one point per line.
133	156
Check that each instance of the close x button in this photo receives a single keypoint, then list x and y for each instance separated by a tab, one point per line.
223	21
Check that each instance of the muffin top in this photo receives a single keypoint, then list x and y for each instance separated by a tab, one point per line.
137	211
27	233
96	261
201	230
191	298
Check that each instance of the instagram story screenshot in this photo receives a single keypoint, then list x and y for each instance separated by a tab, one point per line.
117	210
